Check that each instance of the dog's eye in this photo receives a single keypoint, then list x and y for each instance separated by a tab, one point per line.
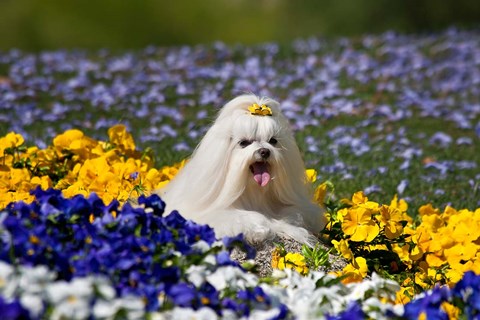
273	141
245	143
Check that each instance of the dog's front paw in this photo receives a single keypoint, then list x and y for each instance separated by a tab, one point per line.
258	234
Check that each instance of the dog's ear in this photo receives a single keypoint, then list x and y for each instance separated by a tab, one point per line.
202	179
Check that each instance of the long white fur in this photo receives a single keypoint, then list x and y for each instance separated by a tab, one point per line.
216	186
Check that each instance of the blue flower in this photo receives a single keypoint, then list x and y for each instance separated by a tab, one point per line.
174	220
182	294
196	232
468	291
353	312
223	259
238	241
154	202
430	304
13	310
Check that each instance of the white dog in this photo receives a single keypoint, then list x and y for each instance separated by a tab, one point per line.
247	176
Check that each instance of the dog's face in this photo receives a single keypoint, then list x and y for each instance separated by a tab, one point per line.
256	147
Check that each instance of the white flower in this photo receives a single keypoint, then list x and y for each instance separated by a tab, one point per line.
376	286
232	277
375	309
8	280
197	274
104	288
70	300
188	313
210	260
201	246
34	280
130	306
33	303
264	314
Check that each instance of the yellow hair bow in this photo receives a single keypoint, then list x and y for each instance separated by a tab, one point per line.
262	110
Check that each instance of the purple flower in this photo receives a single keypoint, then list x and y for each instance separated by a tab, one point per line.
442	139
238	241
13	310
153	202
468	291
182	294
402	186
353	312
430	304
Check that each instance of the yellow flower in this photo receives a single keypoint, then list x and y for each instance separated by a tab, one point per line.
461	253
276	256
452	311
405	293
361	200
320	193
358	224
75	141
428	210
11	140
399	204
291	261
390	218
465	226
311	175
262	110
119	136
64	140
44	182
14	196
355	271
342	247
403	252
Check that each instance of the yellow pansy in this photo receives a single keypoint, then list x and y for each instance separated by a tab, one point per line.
293	261
451	311
399	204
320	193
262	110
390	219
311	175
403	252
428	210
360	199
342	247
64	140
403	296
355	271
120	137
461	253
44	182
358	224
75	141
11	140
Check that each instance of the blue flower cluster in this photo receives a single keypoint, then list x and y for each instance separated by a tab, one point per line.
465	295
142	252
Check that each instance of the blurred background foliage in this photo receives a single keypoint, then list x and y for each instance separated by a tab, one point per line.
120	24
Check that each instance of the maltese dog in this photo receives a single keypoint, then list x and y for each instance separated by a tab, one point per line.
247	176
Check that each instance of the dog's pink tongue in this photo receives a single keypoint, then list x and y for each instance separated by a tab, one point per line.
260	173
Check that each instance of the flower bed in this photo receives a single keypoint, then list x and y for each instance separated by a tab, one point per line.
72	246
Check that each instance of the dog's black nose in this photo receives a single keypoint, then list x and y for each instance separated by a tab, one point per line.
264	153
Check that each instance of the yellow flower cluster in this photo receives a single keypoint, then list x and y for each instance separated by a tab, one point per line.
437	249
445	244
367	226
77	164
290	260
